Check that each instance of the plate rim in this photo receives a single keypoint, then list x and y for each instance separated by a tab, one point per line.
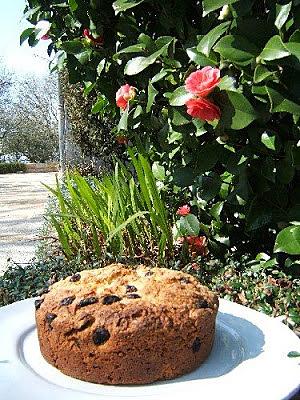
226	306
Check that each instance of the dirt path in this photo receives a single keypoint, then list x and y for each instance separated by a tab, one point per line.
22	202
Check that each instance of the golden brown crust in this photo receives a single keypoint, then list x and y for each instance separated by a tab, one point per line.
120	325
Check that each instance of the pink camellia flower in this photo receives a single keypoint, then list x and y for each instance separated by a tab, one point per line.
183	211
203	81
203	109
124	94
96	40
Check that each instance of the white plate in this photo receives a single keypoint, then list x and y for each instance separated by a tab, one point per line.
248	361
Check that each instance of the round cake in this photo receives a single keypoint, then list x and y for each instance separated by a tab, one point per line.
121	325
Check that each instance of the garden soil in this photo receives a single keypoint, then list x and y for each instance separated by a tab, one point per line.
22	201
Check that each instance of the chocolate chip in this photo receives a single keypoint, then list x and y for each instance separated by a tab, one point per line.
49	318
133	296
37	303
201	303
76	277
196	345
67	301
110	299
100	336
88	301
88	320
130	289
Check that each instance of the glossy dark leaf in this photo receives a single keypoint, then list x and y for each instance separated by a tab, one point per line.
288	240
179	97
274	49
283	14
243	112
72	46
207	42
123	5
281	104
25	34
236	49
211	5
152	92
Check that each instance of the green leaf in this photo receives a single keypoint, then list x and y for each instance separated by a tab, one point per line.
243	111
281	104
100	66
73	5
282	14
207	42
122	226
227	83
159	171
211	5
72	46
160	75
262	73
236	49
188	225
25	34
174	137
268	139
180	118
88	87
216	210
207	156
123	5
274	49
135	48
293	48
123	123
152	92
100	104
163	41
84	56
179	97
138	111
184	176
288	240
200	129
293	354
259	215
138	64
199	58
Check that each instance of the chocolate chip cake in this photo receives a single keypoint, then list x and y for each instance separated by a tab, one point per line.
120	325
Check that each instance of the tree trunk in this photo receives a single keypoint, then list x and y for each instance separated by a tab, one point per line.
61	124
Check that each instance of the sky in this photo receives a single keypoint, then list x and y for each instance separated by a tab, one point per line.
22	60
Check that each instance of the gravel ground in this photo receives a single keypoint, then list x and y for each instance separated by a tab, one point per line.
22	202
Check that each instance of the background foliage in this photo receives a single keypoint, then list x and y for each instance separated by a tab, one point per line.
240	175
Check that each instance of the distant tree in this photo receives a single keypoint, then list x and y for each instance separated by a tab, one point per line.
5	86
29	119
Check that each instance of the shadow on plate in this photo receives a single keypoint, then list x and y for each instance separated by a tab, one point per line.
236	341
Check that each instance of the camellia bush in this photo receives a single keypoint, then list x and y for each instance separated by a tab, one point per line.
210	90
